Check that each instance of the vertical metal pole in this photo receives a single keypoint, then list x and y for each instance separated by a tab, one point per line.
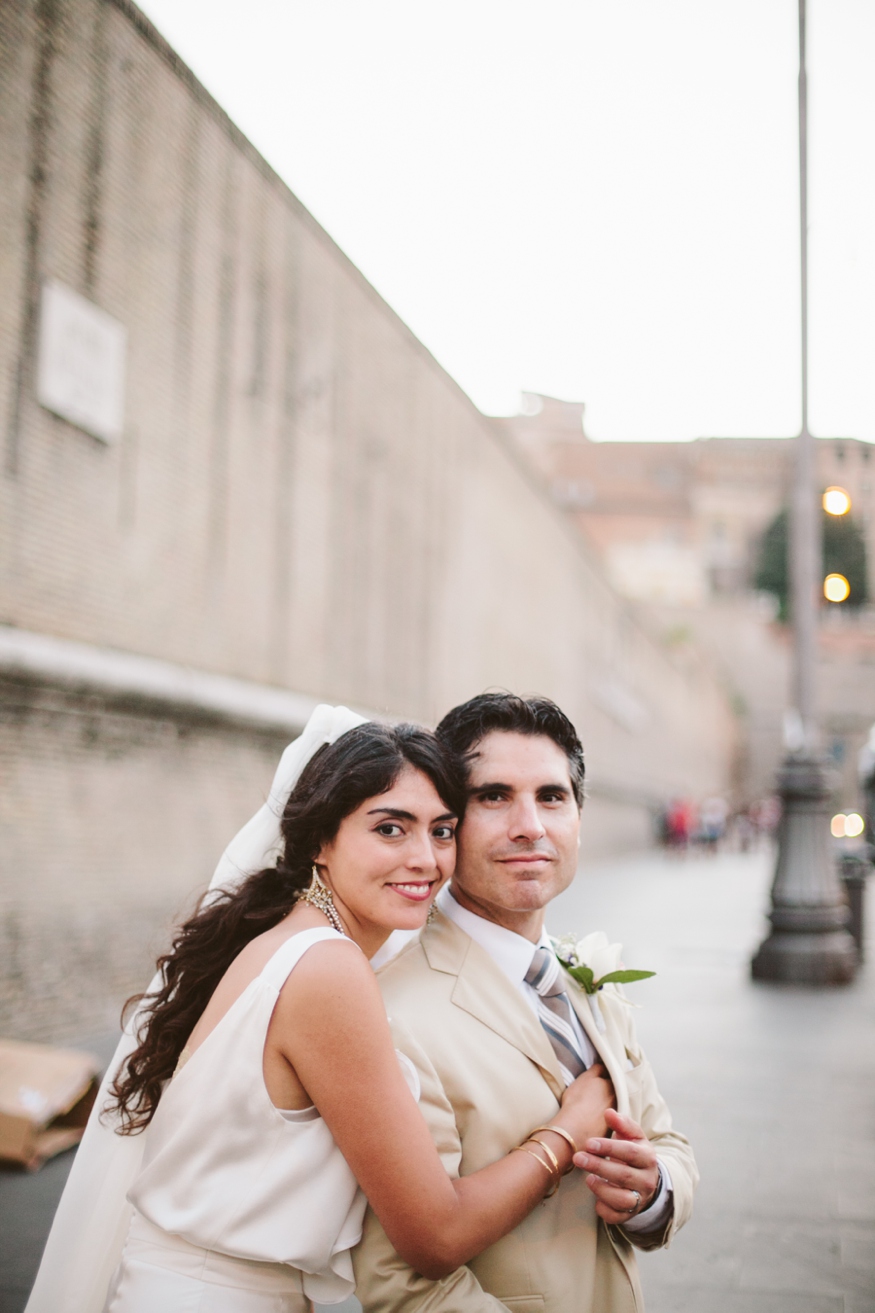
805	544
809	941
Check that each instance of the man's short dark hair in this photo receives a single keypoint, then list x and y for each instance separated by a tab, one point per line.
463	728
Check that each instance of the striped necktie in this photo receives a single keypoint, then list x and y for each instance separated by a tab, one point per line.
554	1012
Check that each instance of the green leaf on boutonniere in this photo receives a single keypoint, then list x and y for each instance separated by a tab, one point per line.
583	976
622	977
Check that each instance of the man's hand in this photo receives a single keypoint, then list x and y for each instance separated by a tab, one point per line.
625	1173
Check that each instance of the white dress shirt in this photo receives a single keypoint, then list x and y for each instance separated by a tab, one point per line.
513	955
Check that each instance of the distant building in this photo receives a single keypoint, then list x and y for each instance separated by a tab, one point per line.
678	526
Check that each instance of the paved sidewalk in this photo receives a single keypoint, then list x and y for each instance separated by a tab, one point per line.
775	1086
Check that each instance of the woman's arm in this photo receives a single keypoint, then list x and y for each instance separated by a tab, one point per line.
330	1024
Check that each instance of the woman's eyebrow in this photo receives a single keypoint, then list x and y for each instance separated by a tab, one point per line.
397	814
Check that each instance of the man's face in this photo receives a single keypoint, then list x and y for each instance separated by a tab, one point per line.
517	847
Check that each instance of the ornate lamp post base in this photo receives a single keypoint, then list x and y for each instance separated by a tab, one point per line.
809	943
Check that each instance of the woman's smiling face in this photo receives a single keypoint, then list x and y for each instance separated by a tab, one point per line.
389	858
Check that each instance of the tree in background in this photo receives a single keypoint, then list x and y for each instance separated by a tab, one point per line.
844	552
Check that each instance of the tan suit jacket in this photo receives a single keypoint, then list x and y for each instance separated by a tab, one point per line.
489	1076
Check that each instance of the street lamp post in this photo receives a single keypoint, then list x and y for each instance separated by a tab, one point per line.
809	941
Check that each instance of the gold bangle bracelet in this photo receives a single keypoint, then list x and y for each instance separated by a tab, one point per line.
533	1153
521	1148
549	1152
559	1130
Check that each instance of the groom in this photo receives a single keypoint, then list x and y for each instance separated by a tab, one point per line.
474	1004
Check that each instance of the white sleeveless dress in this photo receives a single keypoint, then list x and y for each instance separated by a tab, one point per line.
239	1207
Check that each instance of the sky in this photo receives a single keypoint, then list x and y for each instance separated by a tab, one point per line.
592	199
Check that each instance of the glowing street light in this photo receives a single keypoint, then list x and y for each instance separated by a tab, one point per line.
847	827
836	501
836	588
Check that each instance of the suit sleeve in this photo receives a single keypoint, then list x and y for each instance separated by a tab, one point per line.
384	1282
651	1111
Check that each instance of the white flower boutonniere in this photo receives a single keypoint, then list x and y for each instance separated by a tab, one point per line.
593	963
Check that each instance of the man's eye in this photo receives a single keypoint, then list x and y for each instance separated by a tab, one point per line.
491	797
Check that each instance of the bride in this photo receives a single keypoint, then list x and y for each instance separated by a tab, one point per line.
259	1081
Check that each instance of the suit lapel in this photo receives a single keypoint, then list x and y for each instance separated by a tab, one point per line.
483	991
580	1002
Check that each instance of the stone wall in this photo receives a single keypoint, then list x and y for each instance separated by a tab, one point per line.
301	498
110	824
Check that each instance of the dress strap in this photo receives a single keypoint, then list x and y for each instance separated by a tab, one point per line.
288	955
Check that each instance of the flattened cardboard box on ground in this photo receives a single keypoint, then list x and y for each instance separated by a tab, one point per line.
46	1095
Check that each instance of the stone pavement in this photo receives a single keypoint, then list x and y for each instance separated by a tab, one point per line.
775	1087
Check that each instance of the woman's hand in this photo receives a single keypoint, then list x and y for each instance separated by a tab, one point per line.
582	1116
584	1104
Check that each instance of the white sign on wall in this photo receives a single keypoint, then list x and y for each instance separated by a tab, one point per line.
81	362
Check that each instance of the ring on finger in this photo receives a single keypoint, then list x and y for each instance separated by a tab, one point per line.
637	1203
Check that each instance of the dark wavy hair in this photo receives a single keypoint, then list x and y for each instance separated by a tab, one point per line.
463	728
363	763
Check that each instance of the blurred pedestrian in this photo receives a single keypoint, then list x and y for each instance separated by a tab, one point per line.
679	824
712	822
744	831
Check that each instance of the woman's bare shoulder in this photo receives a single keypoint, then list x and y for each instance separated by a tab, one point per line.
331	991
332	964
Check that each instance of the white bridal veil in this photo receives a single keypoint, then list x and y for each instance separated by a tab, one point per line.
91	1223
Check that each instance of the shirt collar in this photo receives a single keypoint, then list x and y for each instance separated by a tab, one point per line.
509	951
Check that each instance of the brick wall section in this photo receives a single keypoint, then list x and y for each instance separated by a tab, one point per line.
111	823
301	497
